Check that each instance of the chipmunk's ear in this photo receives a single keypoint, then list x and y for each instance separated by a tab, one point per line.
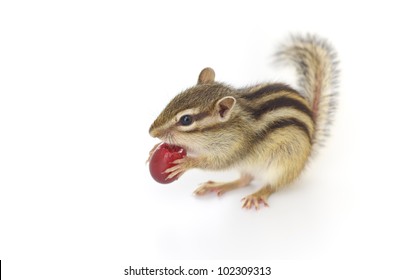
224	107
206	76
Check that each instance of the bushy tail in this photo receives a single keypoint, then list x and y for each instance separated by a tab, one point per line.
316	65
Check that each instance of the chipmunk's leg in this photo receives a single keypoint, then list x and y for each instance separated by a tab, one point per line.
259	197
221	188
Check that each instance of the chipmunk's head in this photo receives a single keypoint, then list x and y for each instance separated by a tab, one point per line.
190	118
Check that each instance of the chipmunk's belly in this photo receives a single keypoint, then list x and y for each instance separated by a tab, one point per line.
268	174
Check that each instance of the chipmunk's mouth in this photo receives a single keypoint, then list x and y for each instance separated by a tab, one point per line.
169	138
173	140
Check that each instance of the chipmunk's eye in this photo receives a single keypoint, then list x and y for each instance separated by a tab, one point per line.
186	120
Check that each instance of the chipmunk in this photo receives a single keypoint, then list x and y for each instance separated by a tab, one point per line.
269	130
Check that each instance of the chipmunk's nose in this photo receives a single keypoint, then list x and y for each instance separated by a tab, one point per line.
154	132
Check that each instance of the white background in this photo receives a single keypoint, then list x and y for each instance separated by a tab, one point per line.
80	84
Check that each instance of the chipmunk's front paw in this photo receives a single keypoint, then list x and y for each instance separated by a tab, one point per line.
181	166
152	152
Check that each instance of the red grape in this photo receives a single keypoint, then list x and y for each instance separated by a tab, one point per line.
162	159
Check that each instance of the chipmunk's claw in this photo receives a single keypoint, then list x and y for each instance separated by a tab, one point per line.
253	200
181	166
152	152
221	188
210	186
